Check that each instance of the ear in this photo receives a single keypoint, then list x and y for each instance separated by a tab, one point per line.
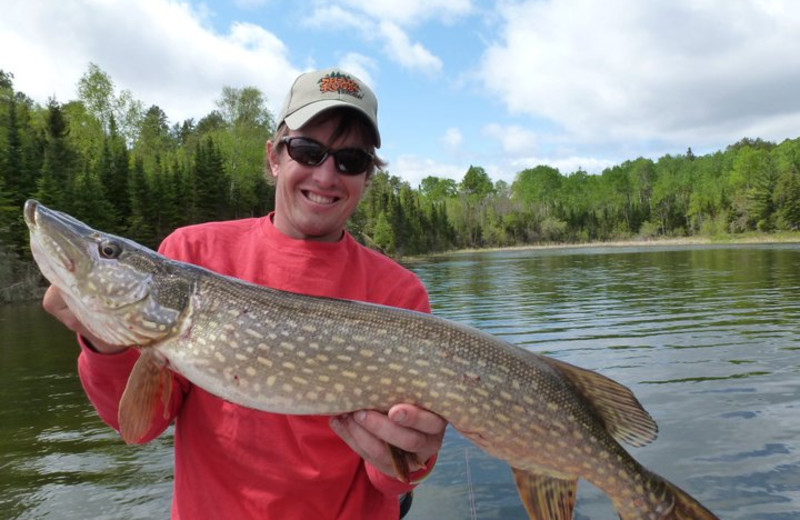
272	157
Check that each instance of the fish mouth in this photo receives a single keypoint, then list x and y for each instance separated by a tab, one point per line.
29	212
44	242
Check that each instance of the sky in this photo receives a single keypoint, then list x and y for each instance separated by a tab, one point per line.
505	85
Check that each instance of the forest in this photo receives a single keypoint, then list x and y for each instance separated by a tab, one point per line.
126	169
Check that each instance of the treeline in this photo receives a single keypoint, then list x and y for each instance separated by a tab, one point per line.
107	160
753	185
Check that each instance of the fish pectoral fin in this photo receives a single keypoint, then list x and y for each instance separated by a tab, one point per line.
623	415
404	463
149	386
546	497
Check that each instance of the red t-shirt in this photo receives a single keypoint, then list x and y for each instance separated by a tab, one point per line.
235	462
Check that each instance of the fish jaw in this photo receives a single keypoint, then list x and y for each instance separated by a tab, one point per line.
111	284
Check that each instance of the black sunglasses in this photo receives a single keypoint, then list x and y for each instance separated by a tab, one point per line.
308	152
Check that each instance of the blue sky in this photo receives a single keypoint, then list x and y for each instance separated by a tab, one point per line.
505	85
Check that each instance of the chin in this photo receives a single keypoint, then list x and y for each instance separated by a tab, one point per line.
319	231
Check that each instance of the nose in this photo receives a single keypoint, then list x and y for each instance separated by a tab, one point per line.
326	173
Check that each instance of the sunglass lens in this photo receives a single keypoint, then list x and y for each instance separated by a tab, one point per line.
352	161
349	161
307	152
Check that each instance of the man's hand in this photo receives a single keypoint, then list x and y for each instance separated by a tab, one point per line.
54	304
407	427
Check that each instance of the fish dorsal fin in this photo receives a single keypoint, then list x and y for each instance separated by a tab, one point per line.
625	418
546	497
147	391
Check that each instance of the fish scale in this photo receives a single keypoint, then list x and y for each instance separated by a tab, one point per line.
295	354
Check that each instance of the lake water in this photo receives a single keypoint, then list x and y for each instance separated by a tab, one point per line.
706	336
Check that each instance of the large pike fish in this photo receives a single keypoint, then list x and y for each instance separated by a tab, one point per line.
288	353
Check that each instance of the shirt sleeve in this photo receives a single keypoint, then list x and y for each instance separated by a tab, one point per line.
104	377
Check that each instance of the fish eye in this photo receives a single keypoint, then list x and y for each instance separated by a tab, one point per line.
109	249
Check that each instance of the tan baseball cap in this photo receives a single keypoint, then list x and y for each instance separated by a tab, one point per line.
317	91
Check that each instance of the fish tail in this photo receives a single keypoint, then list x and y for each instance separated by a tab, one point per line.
659	499
686	507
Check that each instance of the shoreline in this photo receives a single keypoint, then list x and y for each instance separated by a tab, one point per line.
784	237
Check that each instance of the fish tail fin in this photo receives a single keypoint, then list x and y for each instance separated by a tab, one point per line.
686	507
148	390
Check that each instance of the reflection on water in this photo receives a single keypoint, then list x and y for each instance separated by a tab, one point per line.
57	460
707	337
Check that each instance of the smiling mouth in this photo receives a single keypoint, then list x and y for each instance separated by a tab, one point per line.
319	199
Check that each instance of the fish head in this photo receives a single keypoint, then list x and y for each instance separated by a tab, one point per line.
124	293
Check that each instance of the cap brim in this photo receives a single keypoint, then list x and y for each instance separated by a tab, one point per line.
298	119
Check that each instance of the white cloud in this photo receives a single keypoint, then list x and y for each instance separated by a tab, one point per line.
161	50
625	70
334	16
360	65
453	138
565	165
409	12
410	55
513	138
385	22
413	169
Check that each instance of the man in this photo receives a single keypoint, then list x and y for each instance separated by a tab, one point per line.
234	462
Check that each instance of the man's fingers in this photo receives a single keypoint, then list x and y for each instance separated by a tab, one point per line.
407	427
360	440
52	301
54	304
416	418
414	430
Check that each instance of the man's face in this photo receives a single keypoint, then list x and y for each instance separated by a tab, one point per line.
314	202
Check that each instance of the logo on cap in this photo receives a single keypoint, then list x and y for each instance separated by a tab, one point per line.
341	84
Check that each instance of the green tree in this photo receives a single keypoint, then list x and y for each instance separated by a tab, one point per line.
209	183
90	203
786	195
247	126
97	92
383	235
671	194
538	189
143	207
154	140
20	158
114	174
618	212
476	183
436	188
752	180
7	215
59	164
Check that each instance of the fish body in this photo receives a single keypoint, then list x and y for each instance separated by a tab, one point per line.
294	354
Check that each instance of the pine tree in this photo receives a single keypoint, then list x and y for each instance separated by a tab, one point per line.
90	203
210	183
140	220
115	176
55	185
